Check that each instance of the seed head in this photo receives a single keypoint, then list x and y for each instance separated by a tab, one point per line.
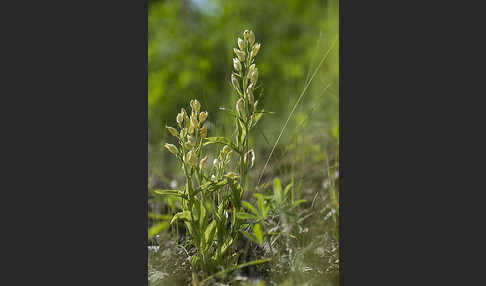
241	44
236	64
251	37
173	131
172	148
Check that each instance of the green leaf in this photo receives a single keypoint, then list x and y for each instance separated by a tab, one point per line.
243	215
157	228
209	233
296	203
170	193
261	206
287	188
250	236
257	231
250	207
185	215
277	190
189	227
241	131
226	245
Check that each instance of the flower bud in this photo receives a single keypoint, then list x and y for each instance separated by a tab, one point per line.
213	177
254	76
250	97
234	81
239	106
194	123
173	131
183	132
191	158
180	119
255	49
236	64
190	142
186	118
225	150
202	163
251	153
195	105
246	34
172	148
247	154
249	88
251	37
204	132
216	163
250	69
239	54
228	157
255	106
203	116
184	113
241	44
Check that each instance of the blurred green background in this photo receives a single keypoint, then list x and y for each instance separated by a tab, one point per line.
190	51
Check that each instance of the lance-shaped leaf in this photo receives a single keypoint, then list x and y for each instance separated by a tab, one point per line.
243	215
170	193
185	215
250	207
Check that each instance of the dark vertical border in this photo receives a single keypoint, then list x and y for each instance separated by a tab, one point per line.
77	162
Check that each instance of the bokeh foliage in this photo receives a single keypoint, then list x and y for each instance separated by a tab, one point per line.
190	52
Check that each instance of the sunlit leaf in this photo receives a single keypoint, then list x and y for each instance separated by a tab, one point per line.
257	231
157	228
250	207
186	215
